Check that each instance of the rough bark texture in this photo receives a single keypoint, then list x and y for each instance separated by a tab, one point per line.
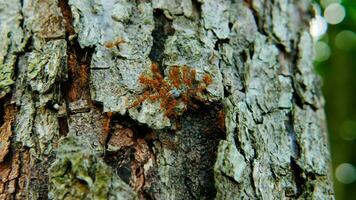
76	122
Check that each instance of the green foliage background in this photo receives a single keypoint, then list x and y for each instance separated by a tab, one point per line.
339	77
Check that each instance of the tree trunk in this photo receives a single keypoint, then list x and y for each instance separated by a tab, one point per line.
191	99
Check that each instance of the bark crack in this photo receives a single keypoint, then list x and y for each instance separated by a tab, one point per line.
77	86
298	177
128	148
163	29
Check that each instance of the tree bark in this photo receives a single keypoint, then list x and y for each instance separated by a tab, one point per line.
161	99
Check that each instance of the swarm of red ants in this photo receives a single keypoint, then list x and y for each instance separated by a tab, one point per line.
176	93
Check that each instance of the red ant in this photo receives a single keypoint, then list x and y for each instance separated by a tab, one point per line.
180	86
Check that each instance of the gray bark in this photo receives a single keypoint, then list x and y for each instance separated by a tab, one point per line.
69	77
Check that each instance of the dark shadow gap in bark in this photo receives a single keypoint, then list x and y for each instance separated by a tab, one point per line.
140	130
311	176
244	56
289	123
259	22
163	29
217	46
133	142
220	42
227	92
201	130
197	9
251	161
63	126
194	147
238	143
252	181
32	133
120	162
77	86
298	177
280	47
293	58
298	99
68	17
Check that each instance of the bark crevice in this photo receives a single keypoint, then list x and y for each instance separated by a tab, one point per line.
162	29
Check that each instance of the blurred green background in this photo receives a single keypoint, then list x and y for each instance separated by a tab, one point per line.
334	30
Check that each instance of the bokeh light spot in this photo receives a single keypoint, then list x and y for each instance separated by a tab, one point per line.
318	26
345	173
345	40
334	13
321	51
